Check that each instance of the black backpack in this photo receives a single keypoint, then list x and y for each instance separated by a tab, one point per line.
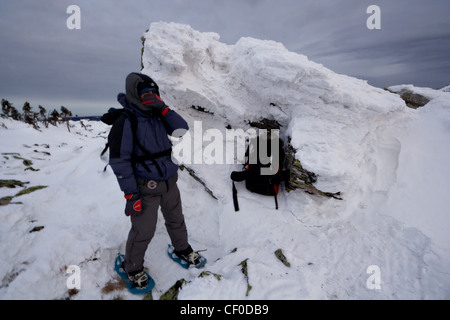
256	182
111	117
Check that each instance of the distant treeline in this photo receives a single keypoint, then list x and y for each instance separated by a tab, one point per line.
36	118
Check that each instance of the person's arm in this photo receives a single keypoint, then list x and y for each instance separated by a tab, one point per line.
175	124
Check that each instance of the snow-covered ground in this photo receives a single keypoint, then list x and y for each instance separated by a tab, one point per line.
390	162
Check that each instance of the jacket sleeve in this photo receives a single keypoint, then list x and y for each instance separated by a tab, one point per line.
175	124
120	141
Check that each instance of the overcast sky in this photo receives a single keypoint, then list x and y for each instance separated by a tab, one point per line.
45	63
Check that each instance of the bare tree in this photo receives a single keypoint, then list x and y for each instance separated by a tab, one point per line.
43	115
15	115
65	113
29	116
54	117
6	107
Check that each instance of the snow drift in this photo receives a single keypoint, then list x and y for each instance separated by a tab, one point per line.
389	162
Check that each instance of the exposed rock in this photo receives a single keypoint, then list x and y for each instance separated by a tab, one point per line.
414	100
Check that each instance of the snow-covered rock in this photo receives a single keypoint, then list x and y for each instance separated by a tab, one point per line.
334	121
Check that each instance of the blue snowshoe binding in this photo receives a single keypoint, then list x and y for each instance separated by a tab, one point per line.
187	259
137	282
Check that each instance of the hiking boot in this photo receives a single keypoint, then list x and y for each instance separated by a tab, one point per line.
190	256
138	279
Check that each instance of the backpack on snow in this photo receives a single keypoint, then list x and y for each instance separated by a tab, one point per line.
255	181
111	117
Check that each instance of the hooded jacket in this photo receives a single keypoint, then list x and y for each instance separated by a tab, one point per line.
152	131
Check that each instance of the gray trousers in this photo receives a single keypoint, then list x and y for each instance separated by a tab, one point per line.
167	196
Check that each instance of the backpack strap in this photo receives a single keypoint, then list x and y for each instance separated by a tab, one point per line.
105	149
235	198
152	157
237	176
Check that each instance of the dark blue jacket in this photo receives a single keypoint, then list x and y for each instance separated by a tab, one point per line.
152	133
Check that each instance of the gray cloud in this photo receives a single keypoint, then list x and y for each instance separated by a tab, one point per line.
45	63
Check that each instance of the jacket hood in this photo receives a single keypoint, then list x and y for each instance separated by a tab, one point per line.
133	83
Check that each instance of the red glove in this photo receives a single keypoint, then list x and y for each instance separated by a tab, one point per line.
134	205
154	102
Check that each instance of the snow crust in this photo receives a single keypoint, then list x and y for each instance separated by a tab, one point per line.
390	163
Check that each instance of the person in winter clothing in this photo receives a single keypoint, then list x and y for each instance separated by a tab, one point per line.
140	156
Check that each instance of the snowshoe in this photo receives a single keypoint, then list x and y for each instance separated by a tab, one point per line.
136	283
188	258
